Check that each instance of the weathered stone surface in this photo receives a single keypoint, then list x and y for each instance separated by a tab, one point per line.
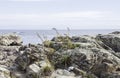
90	58
33	71
39	69
18	74
10	39
112	40
62	57
59	73
8	54
4	73
29	56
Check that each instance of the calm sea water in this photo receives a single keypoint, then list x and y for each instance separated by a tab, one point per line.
30	36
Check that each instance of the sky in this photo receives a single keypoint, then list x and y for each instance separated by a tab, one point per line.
60	14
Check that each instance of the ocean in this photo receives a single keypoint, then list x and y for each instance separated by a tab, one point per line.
30	36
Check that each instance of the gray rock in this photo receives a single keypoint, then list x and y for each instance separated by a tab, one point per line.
112	40
92	58
83	39
110	75
29	56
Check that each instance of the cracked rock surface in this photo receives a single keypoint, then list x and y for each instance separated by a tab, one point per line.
62	57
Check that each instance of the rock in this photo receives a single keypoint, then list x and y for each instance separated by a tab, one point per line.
62	57
59	73
61	43
115	32
34	62
46	67
8	54
110	75
18	74
41	68
29	56
10	39
60	38
33	71
83	39
92	58
81	73
92	55
112	40
86	41
4	73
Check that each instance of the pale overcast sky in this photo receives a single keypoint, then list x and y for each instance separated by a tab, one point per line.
46	14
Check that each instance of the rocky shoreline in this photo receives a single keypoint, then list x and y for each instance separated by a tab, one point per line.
62	57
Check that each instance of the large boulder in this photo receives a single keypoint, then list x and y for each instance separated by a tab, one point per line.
91	56
28	56
39	69
33	71
33	62
112	40
86	41
10	39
